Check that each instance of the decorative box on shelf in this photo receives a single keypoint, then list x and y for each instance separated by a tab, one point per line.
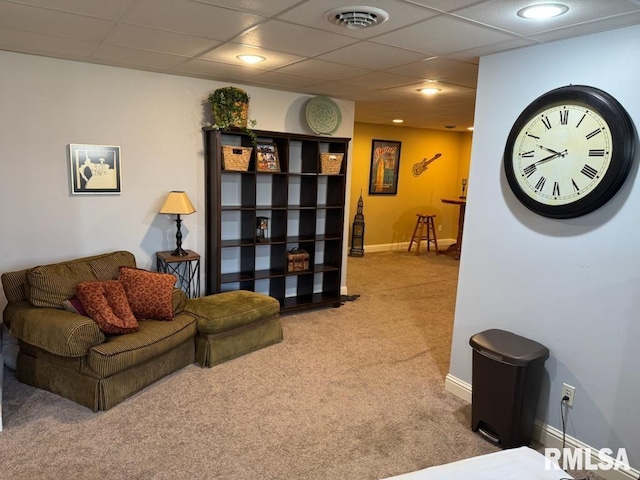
236	158
297	260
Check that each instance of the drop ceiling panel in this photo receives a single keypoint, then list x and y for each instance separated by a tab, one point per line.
40	44
228	53
203	68
159	40
191	18
445	89
372	56
447	5
423	40
501	14
343	90
295	39
436	68
284	80
321	69
380	80
110	10
116	55
589	28
470	81
400	13
473	54
261	7
434	37
49	22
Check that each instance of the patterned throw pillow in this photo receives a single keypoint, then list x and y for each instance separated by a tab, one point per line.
106	303
149	293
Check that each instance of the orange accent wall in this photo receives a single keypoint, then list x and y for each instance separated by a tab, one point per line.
390	219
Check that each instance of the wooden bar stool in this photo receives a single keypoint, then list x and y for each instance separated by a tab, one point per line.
425	221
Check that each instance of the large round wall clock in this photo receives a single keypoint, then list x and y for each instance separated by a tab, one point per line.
569	151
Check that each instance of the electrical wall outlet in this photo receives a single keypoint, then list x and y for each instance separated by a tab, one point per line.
568	391
439	228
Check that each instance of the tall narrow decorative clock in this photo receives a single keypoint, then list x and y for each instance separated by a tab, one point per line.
569	151
357	231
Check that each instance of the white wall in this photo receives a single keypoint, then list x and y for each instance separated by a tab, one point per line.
156	119
572	285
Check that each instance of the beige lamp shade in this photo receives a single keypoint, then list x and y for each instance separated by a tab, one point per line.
177	203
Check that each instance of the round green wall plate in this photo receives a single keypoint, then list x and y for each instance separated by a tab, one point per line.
323	115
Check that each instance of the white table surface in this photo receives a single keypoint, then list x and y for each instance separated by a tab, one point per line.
521	463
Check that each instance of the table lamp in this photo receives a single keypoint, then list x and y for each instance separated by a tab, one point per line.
178	203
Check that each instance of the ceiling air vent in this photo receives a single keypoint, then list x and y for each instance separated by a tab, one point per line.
357	17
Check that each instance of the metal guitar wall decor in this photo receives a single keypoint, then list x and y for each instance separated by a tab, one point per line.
420	167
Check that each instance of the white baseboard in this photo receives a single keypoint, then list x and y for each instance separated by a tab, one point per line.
404	246
459	388
547	435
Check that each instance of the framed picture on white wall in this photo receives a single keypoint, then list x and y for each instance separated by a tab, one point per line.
95	169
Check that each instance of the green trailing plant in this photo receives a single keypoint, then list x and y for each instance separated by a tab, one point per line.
229	107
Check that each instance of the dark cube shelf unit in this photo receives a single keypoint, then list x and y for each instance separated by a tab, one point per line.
305	209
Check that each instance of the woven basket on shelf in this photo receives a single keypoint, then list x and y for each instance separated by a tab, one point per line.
331	163
239	120
230	107
236	158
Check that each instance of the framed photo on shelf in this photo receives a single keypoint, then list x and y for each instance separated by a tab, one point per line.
95	169
267	158
385	162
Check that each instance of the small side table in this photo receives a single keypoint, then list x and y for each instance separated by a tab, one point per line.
186	268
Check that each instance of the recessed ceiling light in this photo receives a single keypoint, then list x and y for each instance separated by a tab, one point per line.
450	126
543	11
251	58
470	129
429	90
397	120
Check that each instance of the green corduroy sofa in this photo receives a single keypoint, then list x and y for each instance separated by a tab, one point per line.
67	353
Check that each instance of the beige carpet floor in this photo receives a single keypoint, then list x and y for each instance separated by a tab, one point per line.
355	392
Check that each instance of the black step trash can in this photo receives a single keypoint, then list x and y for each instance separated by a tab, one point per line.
507	372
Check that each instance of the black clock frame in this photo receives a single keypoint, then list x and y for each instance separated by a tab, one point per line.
623	148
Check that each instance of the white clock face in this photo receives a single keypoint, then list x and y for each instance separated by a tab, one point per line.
562	154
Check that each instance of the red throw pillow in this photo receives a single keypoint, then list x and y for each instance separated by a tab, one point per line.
106	303
149	293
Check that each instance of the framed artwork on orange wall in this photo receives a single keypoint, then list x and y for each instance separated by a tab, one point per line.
385	164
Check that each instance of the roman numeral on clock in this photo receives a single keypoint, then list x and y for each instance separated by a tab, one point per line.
540	184
556	189
575	186
589	171
528	171
528	154
564	117
596	153
546	122
594	133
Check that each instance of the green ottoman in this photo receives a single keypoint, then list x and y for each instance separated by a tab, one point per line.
231	324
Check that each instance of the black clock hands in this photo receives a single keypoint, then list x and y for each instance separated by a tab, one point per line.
547	149
550	157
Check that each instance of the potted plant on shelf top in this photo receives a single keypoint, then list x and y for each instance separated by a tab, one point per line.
230	108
